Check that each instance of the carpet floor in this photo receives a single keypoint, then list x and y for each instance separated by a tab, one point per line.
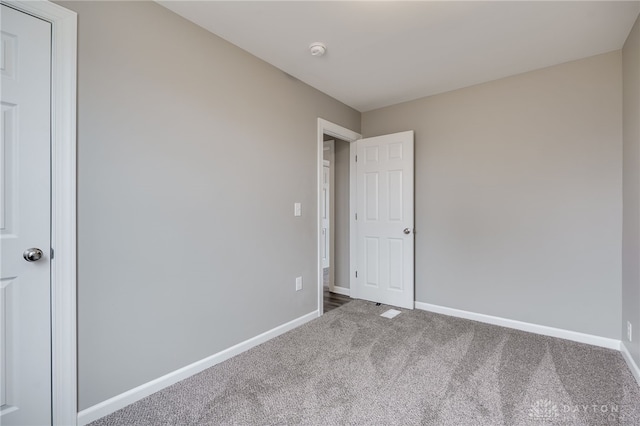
353	367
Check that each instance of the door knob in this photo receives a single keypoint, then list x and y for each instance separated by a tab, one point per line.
32	254
407	231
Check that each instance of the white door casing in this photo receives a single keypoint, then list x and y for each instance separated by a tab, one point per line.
326	214
25	217
385	219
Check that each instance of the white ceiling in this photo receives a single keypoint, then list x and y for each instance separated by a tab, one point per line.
380	53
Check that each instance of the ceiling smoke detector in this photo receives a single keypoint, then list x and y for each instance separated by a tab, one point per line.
317	49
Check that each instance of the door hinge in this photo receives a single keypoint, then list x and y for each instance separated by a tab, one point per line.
356	274
51	253
356	158
356	216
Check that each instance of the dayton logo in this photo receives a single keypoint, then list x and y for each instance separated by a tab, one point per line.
543	410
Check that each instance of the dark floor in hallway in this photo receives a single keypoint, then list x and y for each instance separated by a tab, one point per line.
332	300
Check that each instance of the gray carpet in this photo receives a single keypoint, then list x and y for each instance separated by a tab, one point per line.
353	367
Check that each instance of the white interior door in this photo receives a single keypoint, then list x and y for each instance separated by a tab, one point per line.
384	225
25	299
326	214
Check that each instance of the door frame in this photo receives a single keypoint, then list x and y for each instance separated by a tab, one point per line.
328	128
63	204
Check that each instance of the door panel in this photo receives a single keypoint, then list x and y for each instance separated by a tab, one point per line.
25	336
384	175
371	193
372	262
396	254
395	196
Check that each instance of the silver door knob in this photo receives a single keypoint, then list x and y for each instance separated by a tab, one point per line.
32	254
407	231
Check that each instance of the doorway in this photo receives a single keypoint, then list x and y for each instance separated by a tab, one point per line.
335	222
381	241
340	153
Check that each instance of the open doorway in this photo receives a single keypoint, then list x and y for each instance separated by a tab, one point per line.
381	241
336	210
335	233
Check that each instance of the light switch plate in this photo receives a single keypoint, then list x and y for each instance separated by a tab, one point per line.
297	209
298	283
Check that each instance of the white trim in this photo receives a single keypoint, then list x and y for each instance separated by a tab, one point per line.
341	290
353	208
635	370
524	326
328	128
129	397
63	203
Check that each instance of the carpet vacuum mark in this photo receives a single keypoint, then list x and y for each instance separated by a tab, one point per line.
353	367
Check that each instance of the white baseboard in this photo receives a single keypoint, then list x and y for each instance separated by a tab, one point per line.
524	326
635	370
120	401
341	290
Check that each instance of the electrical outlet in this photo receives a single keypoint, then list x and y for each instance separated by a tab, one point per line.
298	283
629	334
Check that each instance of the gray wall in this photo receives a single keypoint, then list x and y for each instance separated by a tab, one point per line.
191	154
631	191
518	195
342	219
